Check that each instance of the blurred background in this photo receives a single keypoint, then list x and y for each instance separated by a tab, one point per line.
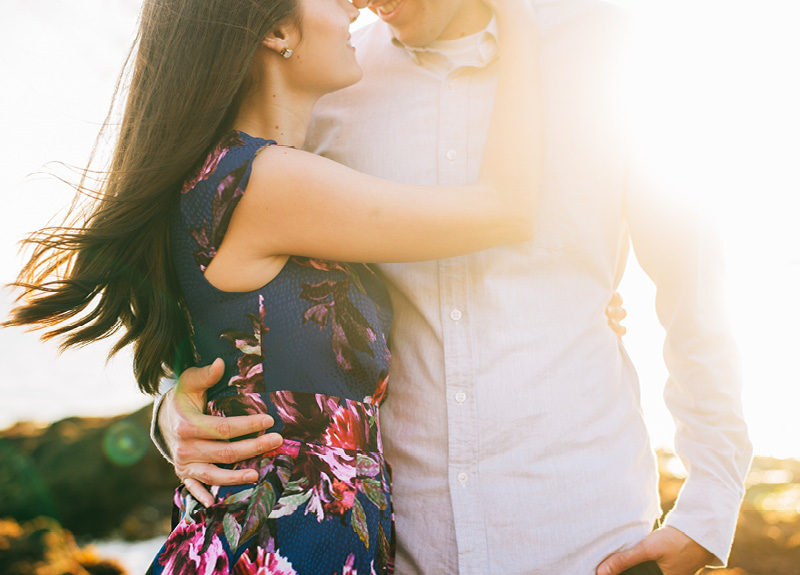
714	108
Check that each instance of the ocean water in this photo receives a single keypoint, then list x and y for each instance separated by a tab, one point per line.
40	385
135	556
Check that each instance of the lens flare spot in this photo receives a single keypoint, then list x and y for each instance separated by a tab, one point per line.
125	443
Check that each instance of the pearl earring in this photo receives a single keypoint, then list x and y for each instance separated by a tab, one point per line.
286	53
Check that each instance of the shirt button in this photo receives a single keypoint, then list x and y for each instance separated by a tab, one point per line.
451	155
461	397
463	477
455	315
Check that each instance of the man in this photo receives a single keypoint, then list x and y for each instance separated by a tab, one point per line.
513	424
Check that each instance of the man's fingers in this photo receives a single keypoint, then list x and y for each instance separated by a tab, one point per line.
619	562
199	491
224	452
248	448
194	463
212	475
200	426
197	380
207	474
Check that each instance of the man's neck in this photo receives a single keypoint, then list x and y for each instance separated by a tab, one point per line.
473	17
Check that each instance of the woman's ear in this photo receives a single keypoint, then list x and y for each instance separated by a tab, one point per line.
282	39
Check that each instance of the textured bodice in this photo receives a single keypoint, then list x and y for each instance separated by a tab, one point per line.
319	327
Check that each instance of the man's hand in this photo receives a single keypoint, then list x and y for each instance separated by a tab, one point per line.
675	553
615	314
198	442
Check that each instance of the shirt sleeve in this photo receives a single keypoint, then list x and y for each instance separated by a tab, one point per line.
679	249
155	431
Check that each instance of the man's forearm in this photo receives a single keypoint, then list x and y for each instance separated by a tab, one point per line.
679	248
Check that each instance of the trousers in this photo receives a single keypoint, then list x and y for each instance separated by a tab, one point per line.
646	568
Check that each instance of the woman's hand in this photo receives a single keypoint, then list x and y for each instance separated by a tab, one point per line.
615	313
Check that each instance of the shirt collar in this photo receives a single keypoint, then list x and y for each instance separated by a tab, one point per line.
485	52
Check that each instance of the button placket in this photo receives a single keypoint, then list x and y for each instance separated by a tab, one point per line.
463	435
452	127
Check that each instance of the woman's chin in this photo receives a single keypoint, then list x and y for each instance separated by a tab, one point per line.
351	78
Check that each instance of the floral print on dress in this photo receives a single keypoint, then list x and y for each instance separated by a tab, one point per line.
251	369
350	331
321	504
330	455
189	551
263	563
340	479
228	141
335	443
209	235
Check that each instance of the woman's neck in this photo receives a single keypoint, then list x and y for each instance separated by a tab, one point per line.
276	114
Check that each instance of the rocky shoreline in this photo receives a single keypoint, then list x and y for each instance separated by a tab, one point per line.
98	477
85	479
42	547
75	481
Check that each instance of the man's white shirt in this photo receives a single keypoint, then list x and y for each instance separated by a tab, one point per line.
513	421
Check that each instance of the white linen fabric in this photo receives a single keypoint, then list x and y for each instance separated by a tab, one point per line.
513	422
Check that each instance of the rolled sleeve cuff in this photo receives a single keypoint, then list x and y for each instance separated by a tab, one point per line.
707	512
155	431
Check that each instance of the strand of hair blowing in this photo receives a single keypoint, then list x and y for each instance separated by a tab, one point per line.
107	268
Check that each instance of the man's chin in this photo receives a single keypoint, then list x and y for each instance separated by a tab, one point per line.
412	36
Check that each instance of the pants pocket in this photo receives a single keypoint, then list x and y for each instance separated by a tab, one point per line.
646	568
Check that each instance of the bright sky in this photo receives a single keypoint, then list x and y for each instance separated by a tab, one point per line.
717	116
719	120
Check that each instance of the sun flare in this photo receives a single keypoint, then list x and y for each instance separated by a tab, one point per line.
713	110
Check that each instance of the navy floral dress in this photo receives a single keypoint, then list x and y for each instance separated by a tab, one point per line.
309	348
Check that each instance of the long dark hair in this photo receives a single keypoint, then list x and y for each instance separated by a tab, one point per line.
108	268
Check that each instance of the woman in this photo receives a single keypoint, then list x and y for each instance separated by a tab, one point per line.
213	235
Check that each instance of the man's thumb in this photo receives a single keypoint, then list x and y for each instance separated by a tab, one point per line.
619	562
197	380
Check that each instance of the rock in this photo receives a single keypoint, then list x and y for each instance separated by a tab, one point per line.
43	547
93	475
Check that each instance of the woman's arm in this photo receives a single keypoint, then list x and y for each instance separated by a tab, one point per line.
301	204
308	205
